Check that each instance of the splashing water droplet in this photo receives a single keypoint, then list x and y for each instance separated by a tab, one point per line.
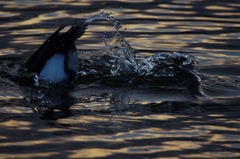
40	95
106	16
120	58
36	80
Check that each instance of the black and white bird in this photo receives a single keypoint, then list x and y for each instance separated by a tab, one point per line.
57	58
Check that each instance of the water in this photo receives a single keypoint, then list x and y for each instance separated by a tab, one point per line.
106	16
112	113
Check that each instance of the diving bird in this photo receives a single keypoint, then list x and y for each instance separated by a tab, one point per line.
57	58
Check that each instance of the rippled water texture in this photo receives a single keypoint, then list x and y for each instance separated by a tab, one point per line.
109	121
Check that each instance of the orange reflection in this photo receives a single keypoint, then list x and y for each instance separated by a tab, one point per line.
29	155
212	7
224	137
13	123
221	154
179	26
90	153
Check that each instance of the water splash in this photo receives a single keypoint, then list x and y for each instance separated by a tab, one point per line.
124	57
108	17
36	80
120	57
160	64
118	64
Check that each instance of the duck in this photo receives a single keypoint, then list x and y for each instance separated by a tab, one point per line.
57	58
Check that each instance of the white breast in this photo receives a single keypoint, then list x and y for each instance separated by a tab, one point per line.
54	69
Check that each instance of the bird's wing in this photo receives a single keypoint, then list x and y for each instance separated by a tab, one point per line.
55	44
75	32
37	61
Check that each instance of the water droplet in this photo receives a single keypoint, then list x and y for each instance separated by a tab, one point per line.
36	80
123	59
40	96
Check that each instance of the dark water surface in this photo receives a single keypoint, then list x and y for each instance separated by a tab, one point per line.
124	122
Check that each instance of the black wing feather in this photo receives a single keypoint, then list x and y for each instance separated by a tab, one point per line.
54	44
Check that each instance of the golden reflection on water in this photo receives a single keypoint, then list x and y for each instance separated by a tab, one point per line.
176	22
17	125
159	139
15	110
221	8
213	155
28	143
8	14
224	137
172	6
237	146
216	115
26	4
3	137
90	153
212	127
192	26
6	95
167	11
29	155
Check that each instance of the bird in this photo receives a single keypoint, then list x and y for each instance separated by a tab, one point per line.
57	58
